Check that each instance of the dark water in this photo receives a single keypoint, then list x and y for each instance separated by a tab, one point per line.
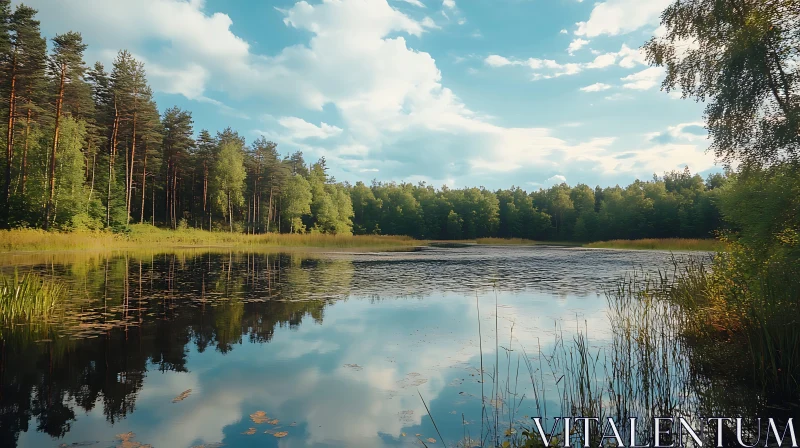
334	349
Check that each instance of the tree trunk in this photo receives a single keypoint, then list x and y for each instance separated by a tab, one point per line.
24	168
144	181
91	188
205	194
112	151
52	176
166	193
174	196
230	213
269	211
12	104
133	159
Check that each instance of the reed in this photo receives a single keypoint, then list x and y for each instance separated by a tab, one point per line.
676	244
29	298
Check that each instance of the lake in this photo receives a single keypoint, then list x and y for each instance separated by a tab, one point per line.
192	348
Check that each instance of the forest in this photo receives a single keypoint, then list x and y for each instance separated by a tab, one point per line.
87	148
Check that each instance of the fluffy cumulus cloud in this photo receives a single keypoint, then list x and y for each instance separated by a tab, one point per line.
391	113
613	17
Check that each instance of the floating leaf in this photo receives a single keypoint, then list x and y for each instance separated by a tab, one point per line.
431	440
402	434
281	434
273	422
250	431
183	395
259	417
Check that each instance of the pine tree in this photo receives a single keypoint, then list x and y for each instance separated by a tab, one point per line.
131	94
207	149
177	141
151	133
25	68
67	67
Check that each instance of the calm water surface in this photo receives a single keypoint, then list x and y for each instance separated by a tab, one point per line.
333	349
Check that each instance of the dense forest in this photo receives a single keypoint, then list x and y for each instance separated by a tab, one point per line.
88	148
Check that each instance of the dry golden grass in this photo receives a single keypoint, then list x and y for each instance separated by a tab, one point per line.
145	236
677	244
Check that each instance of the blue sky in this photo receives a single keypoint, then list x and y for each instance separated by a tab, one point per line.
459	92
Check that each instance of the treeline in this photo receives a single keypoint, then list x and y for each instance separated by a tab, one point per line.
678	204
87	148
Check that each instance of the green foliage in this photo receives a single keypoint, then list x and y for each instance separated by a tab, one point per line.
739	57
228	178
118	161
71	195
296	202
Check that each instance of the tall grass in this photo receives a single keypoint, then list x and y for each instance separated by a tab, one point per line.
677	244
747	306
140	236
643	372
29	298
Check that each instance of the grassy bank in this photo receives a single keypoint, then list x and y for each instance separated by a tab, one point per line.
677	244
746	306
144	236
522	242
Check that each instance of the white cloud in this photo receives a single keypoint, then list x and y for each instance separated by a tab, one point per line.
613	17
427	22
563	31
596	87
495	60
417	3
396	99
627	57
691	132
302	129
449	4
643	80
576	45
630	57
555	180
188	81
603	60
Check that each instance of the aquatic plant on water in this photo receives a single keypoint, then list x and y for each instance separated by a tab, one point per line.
29	298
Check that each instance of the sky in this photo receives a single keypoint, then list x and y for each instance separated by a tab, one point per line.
493	93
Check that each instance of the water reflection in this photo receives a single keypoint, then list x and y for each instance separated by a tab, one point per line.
334	347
